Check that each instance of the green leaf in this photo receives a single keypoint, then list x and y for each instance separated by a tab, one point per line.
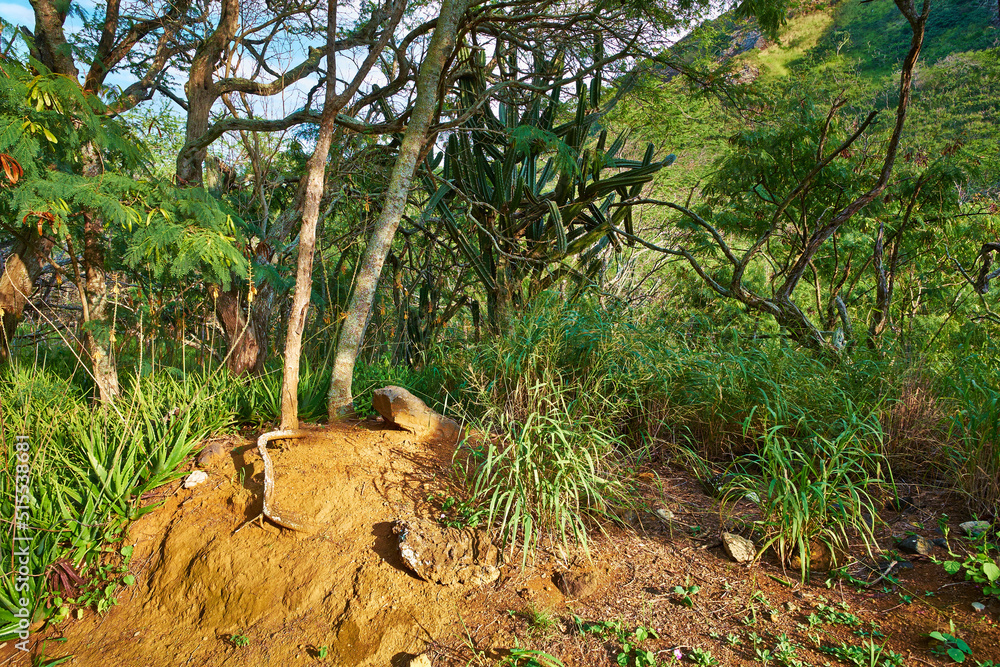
952	567
938	636
991	571
956	655
128	580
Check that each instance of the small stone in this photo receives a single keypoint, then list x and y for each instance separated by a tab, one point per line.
576	585
916	544
941	542
195	478
821	559
213	454
421	660
978	606
752	497
739	548
136	634
974	528
791	606
665	515
774	616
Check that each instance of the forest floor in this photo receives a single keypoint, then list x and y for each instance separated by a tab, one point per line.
214	588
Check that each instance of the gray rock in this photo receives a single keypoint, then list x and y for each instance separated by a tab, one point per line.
576	585
401	408
974	528
916	544
739	548
447	556
421	660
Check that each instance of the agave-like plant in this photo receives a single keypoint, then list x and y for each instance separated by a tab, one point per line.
529	192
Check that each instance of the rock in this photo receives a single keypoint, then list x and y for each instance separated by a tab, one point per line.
821	559
791	606
664	515
739	548
195	478
576	585
941	542
717	485
401	408
213	454
974	528
916	544
447	556
421	660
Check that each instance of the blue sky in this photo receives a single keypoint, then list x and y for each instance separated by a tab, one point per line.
17	12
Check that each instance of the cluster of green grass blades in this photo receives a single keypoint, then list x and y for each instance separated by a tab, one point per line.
576	397
813	488
547	475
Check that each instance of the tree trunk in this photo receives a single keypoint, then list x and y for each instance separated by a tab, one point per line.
202	93
340	398
883	295
96	327
315	178
246	343
21	269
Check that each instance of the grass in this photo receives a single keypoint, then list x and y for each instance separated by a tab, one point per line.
89	471
575	397
814	489
568	403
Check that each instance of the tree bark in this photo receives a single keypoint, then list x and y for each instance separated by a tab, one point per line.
202	93
340	398
97	329
246	342
315	181
21	269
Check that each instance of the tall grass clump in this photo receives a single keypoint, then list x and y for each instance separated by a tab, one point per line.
814	489
974	436
546	474
549	399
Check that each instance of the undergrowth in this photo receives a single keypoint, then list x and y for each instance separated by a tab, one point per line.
575	396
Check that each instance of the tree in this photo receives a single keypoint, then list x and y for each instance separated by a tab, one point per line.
313	186
79	190
339	399
815	221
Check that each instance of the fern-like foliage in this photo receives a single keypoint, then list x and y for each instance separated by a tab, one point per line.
47	123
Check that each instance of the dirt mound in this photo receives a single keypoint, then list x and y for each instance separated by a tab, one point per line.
208	572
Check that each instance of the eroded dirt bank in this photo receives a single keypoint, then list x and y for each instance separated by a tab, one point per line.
206	572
